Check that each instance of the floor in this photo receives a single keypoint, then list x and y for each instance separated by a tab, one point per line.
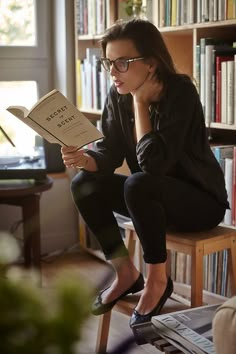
96	272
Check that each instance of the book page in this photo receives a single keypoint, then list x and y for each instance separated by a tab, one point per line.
21	113
56	119
18	111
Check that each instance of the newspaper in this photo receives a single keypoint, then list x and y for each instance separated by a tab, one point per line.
188	330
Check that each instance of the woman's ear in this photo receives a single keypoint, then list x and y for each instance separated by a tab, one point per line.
152	65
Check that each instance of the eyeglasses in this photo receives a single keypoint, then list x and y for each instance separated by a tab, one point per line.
121	65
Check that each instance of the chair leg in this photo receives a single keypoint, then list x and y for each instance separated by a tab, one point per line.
130	242
103	331
197	277
232	258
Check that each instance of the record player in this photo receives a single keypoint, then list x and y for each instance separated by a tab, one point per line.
44	158
32	166
14	165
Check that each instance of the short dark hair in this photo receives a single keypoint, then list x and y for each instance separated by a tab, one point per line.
147	40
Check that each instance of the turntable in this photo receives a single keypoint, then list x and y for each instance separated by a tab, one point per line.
16	166
24	167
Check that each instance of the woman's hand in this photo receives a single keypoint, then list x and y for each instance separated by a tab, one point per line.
74	158
150	90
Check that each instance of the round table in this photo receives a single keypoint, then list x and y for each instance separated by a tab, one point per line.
26	194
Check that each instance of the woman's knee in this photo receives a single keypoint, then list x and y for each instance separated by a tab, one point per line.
82	185
141	185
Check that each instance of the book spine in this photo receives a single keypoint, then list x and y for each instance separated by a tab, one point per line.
199	10
224	92
228	185
215	10
197	67
230	93
162	13
208	84
235	86
234	188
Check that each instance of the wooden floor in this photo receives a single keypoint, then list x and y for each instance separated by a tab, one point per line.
96	272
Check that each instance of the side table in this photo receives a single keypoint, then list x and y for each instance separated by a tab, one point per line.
26	194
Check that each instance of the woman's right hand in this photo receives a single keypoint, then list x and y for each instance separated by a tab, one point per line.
74	158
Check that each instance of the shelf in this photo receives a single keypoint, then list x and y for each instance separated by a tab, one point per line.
191	27
221	126
89	37
91	111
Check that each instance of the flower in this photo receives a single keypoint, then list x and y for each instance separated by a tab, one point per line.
130	4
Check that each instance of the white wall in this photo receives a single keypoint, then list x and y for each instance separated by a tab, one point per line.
58	218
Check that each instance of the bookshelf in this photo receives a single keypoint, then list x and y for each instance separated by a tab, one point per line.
182	40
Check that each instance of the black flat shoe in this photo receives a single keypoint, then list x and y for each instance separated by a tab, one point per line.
137	318
98	308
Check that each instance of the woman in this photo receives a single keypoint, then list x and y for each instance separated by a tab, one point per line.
152	118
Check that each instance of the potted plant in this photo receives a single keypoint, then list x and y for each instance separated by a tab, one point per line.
32	320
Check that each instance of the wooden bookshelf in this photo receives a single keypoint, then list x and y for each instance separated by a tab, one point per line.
181	41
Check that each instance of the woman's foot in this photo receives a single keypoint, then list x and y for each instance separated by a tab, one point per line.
151	302
100	306
128	280
151	294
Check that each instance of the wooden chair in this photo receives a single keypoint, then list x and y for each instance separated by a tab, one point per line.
196	244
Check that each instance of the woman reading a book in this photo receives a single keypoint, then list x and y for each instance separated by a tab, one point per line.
153	118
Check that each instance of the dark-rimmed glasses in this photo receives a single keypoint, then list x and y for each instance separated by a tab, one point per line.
121	65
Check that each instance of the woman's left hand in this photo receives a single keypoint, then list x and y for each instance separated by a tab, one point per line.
149	91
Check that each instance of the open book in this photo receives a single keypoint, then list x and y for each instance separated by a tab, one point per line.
188	330
57	120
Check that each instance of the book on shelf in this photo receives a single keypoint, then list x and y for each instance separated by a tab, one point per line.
218	58
57	120
188	330
190	11
210	50
228	185
234	188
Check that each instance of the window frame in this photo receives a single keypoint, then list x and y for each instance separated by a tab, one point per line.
23	63
40	50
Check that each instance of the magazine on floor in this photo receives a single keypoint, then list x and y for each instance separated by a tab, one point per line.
188	330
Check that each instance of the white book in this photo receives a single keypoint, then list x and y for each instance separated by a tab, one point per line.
224	92
211	10
103	87
199	11
107	14
82	84
57	120
235	89
94	83
178	12
208	83
221	10
215	10
229	188
190	14
230	91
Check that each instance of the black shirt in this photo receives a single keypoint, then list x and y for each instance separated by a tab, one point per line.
177	146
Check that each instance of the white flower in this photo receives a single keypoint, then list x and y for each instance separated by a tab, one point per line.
9	248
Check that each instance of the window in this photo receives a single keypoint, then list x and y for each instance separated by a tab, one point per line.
24	62
18	25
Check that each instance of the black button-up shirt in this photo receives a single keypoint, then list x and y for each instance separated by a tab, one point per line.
177	146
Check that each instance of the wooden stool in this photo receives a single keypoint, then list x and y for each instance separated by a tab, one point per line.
196	244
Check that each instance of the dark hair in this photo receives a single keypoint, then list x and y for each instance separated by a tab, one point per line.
147	40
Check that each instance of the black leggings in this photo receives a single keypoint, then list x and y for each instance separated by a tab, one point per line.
153	203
